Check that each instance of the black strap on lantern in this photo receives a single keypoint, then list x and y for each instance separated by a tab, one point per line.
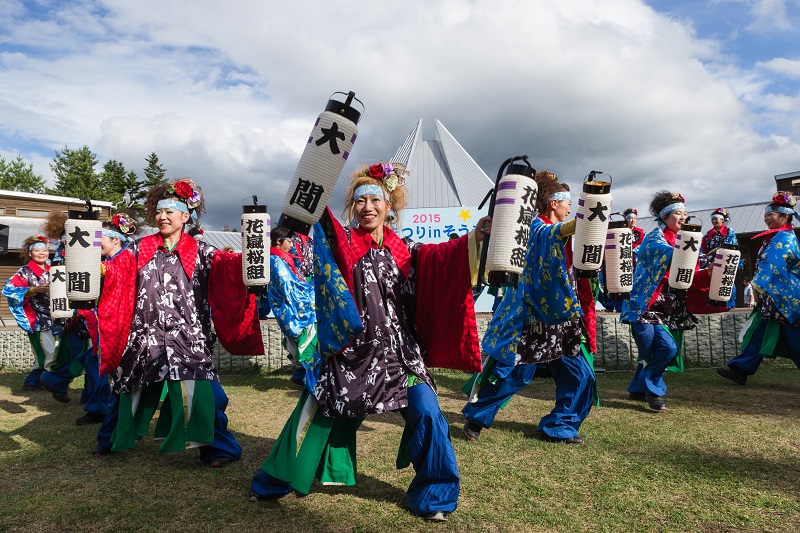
346	109
500	279
593	185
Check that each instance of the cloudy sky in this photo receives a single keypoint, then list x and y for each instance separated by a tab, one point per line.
696	96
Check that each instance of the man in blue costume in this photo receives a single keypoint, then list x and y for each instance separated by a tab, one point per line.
773	328
531	326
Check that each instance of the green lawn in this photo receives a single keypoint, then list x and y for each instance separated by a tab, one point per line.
721	458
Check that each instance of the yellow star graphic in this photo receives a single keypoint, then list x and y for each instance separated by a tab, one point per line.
464	215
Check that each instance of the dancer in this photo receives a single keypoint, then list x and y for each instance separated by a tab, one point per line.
29	302
773	328
631	217
525	332
118	232
719	233
657	314
291	299
161	304
405	295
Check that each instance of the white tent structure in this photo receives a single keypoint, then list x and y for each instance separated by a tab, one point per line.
445	187
443	191
442	173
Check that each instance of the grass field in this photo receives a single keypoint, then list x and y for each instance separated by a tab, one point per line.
721	458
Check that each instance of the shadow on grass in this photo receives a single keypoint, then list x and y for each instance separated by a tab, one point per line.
759	473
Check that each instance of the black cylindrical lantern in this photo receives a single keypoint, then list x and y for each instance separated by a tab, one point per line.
84	234
618	260
324	156
591	224
723	275
512	210
255	246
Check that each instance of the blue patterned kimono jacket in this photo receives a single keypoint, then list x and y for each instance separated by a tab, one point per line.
290	298
778	274
544	294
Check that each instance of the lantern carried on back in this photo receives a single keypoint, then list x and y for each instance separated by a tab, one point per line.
512	209
82	259
591	225
684	256
324	156
255	246
618	260
723	275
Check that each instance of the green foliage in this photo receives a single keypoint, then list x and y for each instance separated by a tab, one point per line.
75	174
76	177
16	175
117	182
154	174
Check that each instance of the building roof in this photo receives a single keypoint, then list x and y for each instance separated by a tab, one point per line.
747	218
442	173
218	239
53	198
20	228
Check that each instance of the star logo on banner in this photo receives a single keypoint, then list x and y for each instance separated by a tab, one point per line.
464	215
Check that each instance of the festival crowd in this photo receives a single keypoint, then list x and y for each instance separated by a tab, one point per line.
365	316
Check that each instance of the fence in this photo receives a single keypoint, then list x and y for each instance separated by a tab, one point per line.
711	343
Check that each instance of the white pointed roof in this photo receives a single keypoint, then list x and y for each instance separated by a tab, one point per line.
442	173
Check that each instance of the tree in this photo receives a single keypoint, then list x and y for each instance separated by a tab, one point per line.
154	174
75	175
16	175
116	181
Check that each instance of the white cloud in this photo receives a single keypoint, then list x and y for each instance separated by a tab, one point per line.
780	65
769	15
228	94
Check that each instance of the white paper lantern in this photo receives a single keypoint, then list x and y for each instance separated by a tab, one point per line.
255	247
83	254
591	226
723	275
59	304
324	156
684	256
514	209
618	260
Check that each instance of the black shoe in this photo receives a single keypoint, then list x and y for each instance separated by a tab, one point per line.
99	450
60	397
637	396
32	388
732	374
571	440
89	418
656	403
218	462
472	431
253	497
